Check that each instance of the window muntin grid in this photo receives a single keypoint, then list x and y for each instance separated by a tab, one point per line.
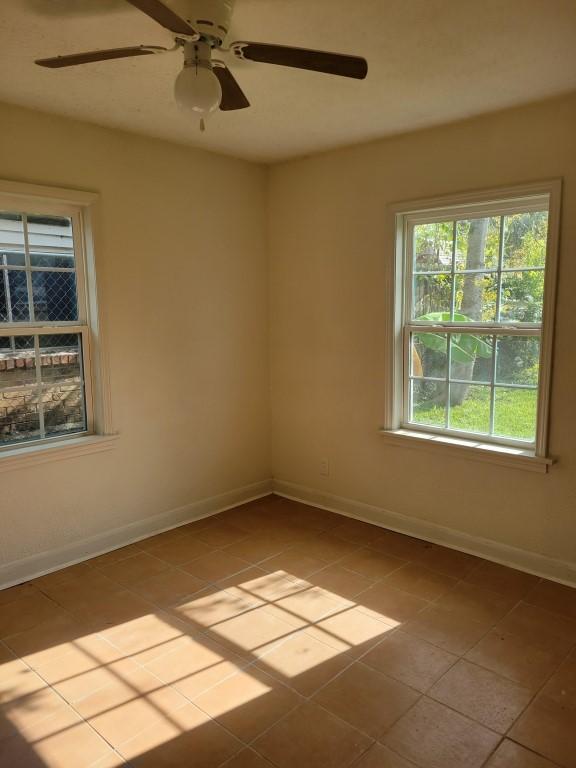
437	317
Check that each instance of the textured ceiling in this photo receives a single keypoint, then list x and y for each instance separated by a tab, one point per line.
431	61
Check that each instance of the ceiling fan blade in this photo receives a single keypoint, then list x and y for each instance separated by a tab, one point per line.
303	58
89	56
164	16
232	95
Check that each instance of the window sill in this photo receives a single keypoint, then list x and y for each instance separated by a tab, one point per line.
27	456
506	456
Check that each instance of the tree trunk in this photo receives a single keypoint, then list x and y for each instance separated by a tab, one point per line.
472	289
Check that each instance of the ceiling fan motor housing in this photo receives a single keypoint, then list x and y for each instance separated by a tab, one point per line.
211	18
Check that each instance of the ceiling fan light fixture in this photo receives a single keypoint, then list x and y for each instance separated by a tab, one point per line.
198	89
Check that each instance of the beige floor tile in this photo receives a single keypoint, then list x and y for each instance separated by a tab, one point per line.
250	633
294	563
372	564
303	662
420	581
47	641
389	604
25	714
398	545
135	701
380	756
241	579
310	737
73	572
410	660
540	627
366	699
511	755
555	598
145	637
328	547
266	587
25	613
163	538
476	604
482	695
221	534
247	759
193	665
514	658
112	760
248	703
181	549
135	569
499	578
14	593
112	610
79	594
448	561
83	669
17	682
72	746
341	581
357	531
213	606
169	587
549	729
257	547
115	556
188	734
446	629
562	685
215	566
351	631
310	605
433	736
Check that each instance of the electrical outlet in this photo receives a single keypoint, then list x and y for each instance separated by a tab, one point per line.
325	468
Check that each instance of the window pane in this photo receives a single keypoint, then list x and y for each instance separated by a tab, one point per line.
429	355
19	418
50	241
470	408
515	413
63	391
475	297
55	296
525	236
478	243
522	296
60	357
433	245
428	402
13	296
471	357
517	360
432	294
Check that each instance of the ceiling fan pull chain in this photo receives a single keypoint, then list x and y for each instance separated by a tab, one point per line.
202	125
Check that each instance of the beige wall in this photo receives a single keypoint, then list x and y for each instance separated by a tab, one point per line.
183	265
328	254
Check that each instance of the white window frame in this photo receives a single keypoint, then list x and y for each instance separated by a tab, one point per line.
400	218
81	207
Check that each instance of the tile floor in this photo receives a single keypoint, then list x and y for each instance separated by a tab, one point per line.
278	634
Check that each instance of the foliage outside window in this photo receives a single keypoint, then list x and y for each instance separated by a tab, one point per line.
43	329
473	309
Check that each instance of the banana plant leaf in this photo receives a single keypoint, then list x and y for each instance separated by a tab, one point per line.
466	347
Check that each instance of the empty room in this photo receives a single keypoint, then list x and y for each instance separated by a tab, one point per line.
287	384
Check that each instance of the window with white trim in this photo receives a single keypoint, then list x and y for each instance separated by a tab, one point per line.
45	378
474	293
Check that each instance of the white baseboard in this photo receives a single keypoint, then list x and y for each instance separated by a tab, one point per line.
54	559
530	562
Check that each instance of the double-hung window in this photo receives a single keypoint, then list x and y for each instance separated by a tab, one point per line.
473	308
46	333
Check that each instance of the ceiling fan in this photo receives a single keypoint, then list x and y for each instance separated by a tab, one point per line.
200	27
